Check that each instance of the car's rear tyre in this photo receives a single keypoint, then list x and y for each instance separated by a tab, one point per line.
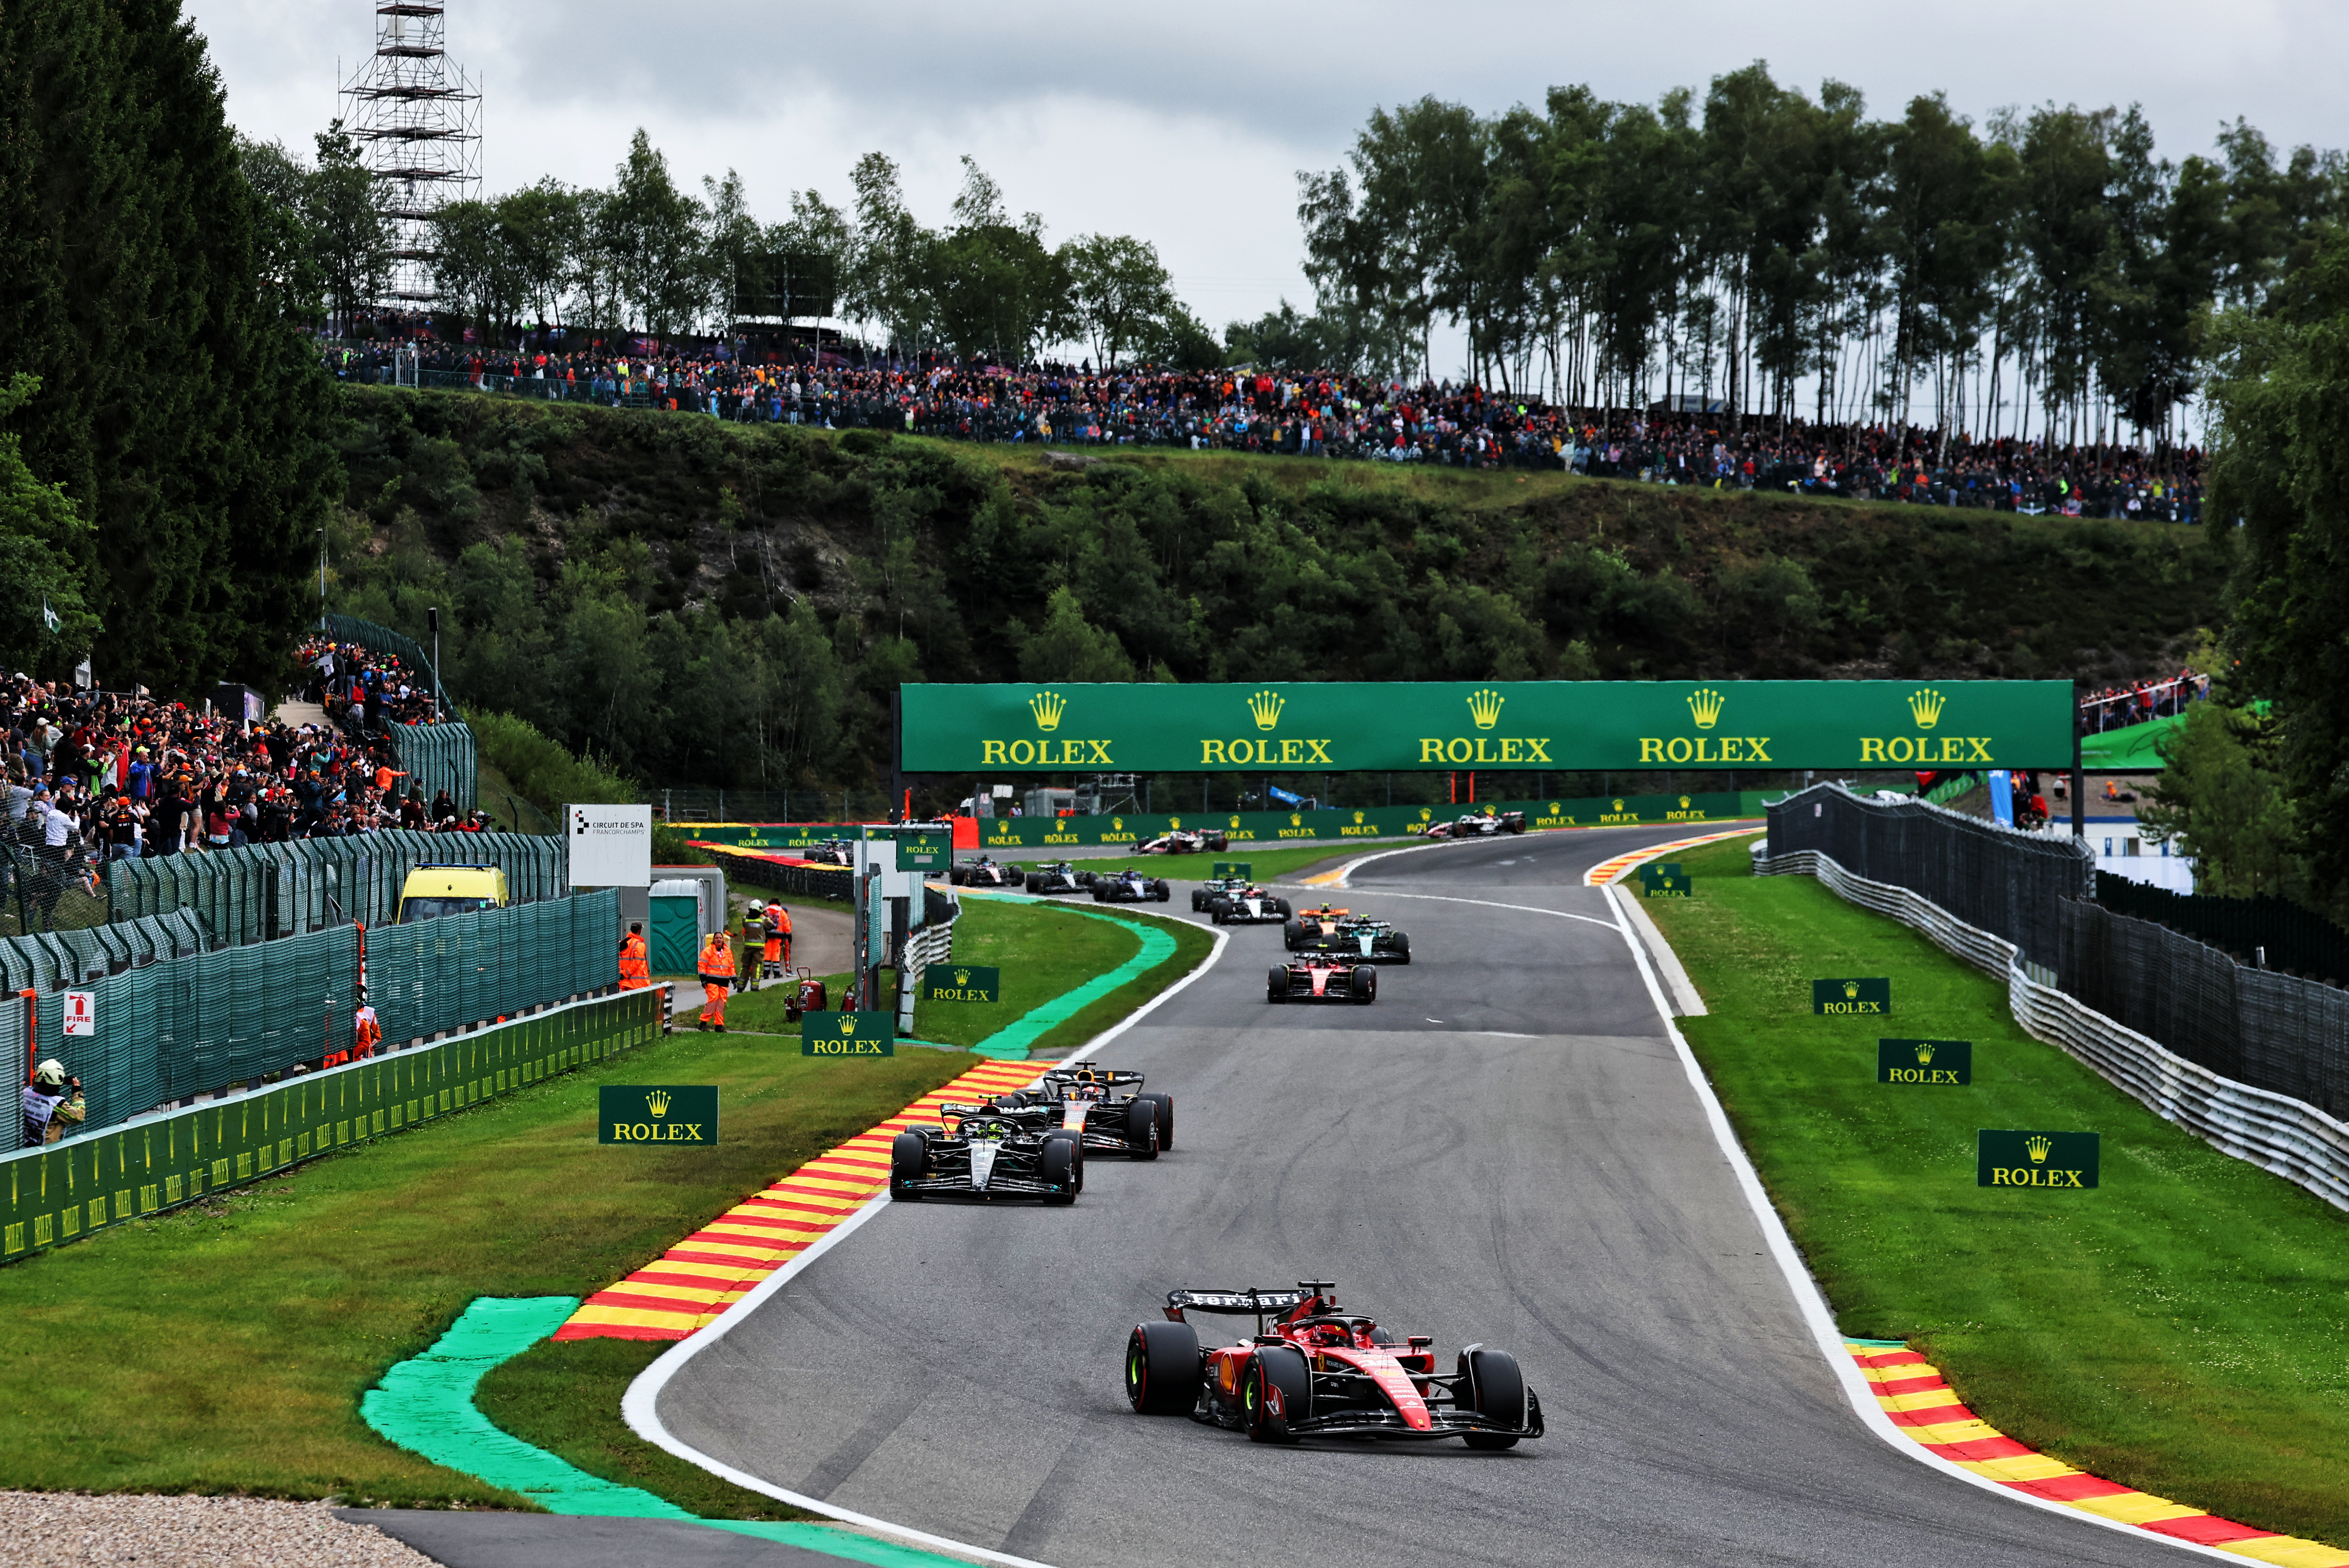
1162	1369
909	1159
1292	935
1141	1129
1161	891
1166	1104
1035	883
1494	1389
1280	906
1275	986
1198	902
1362	985
1056	1168
1277	1393
1086	879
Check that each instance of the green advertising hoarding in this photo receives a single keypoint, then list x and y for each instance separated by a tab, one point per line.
657	1113
962	983
1838	998
1941	1061
848	1033
2005	1156
1150	727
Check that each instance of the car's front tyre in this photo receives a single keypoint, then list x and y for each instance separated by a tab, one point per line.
1494	1389
909	1159
1277	1393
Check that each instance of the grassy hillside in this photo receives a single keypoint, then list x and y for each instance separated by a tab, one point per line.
698	602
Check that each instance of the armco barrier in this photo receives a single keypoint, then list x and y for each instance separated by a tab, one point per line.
2275	1132
68	1190
260	891
1265	829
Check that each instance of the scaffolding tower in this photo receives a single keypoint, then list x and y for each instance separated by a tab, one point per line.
418	121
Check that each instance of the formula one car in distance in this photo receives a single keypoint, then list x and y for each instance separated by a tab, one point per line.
1305	925
1131	888
1186	841
1059	877
1106	1105
1322	976
985	1154
1206	892
1359	937
1248	906
835	851
985	873
1478	826
1322	1372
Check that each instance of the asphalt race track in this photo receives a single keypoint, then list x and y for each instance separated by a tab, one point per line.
1504	1148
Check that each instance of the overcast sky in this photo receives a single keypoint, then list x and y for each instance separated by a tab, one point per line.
1185	124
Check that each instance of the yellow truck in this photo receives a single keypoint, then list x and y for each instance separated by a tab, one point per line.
432	891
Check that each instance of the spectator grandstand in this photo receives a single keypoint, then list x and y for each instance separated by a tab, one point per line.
1327	416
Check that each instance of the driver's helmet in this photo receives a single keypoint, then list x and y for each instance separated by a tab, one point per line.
1329	1334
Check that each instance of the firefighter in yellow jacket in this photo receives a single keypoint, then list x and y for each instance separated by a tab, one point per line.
716	967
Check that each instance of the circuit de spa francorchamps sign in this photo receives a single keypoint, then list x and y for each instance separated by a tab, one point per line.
1151	727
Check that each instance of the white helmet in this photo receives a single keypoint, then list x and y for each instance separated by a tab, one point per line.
51	1073
756	907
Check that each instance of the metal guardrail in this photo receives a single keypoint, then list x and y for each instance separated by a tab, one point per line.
2278	1133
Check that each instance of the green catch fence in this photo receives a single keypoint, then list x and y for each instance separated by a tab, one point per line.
436	756
261	891
67	1190
188	1021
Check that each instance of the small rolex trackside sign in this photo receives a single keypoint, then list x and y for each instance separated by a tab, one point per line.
961	982
848	1034
1933	1063
1840	998
657	1113
2059	1161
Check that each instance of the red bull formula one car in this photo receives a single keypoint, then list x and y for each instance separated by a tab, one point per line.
1322	1372
1322	976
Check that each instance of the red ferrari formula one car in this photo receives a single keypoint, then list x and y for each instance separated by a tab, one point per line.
1323	977
1322	1372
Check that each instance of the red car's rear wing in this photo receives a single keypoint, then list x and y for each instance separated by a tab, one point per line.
1258	1305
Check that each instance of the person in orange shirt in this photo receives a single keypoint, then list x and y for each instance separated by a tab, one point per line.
776	961
716	967
366	1034
635	961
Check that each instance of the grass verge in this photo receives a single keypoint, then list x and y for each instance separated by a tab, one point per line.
2180	1330
223	1348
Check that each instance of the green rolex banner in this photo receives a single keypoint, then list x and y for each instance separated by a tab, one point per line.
961	982
2057	1159
1925	1062
1224	870
1678	885
1655	868
657	1113
1414	724
848	1034
1839	997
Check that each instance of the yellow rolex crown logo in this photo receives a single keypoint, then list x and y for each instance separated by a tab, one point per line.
1704	705
1425	814
657	1103
1684	802
2036	1146
1924	1053
1557	807
1235	822
848	1024
1266	707
1173	823
1295	820
1485	707
1048	707
1851	990
1118	823
1618	805
1358	817
1926	705
962	977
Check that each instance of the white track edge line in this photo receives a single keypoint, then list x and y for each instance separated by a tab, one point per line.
639	1407
1811	1302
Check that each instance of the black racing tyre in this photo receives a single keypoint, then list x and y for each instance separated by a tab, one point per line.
1278	1392
1141	1129
1161	891
1086	879
1494	1387
1402	948
1166	1104
909	1160
1076	1142
1220	914
958	875
1280	907
1035	883
1056	1166
1162	1369
1198	900
1275	985
1362	985
1292	934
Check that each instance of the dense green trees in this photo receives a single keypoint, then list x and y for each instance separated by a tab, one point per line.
2038	274
691	602
151	292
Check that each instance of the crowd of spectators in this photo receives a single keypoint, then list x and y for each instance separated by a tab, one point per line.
1331	416
2118	707
93	776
